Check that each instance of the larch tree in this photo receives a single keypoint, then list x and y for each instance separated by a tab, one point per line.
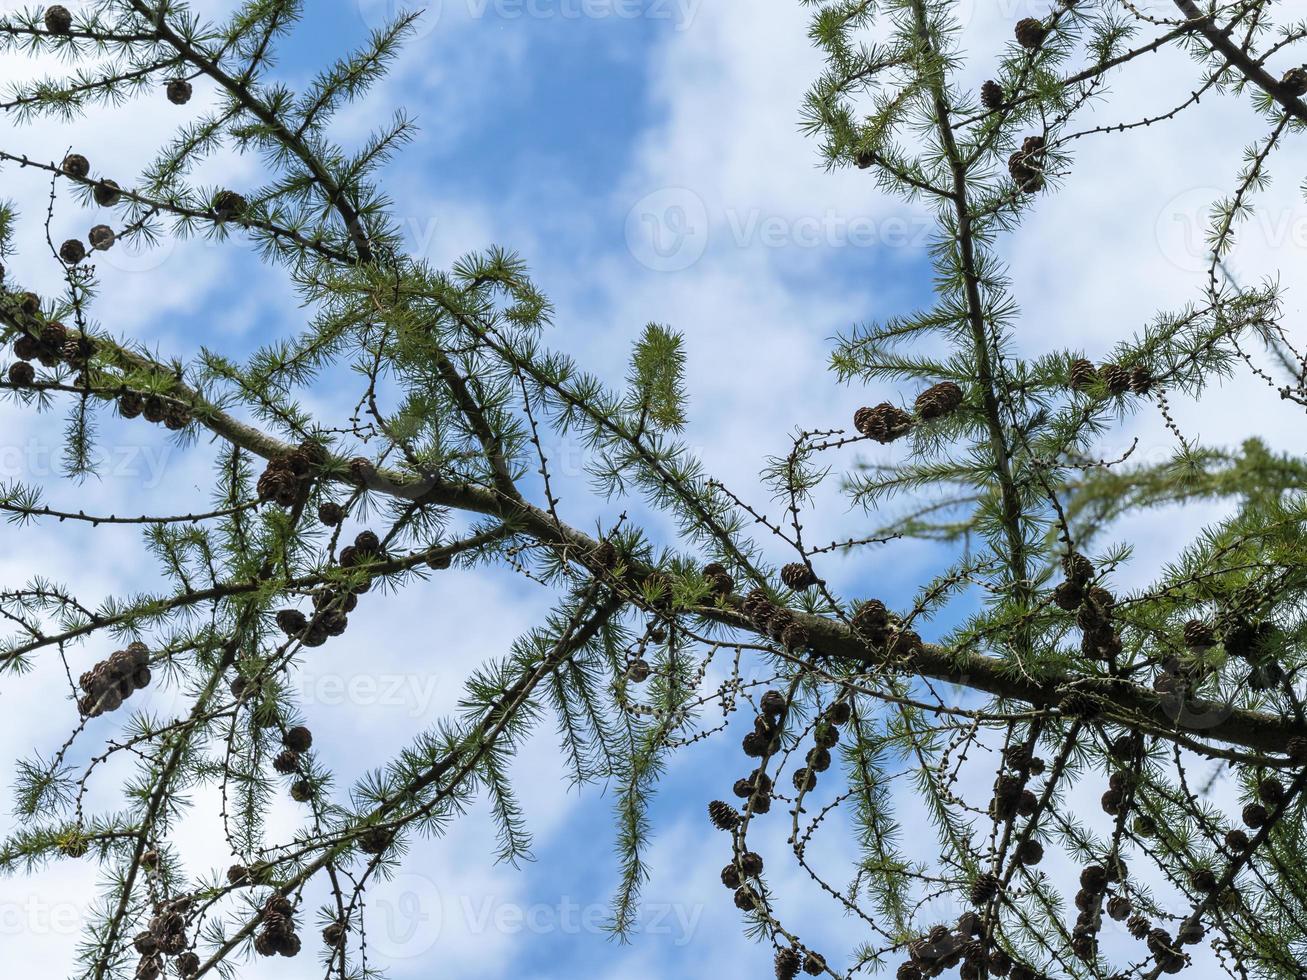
1020	668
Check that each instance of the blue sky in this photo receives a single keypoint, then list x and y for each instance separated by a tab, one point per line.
648	168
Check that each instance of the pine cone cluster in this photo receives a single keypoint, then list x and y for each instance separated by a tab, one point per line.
884	423
165	935
286	479
992	96
58	20
1030	33
1116	378
52	345
112	681
179	91
156	409
798	576
778	622
1012	798
277	932
939	400
1026	165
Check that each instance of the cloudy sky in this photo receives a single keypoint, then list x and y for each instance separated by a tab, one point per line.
644	157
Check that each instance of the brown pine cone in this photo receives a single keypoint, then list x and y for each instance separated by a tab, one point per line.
872	617
1082	374
78	351
334	934
805	780
72	251
731	877
301	791
331	514
984	889
1271	791
292	622
75	165
1296	749
298	739
787	964
238	874
1139	926
374	840
21	374
179	91
773	704
156	409
1141	380
938	401
1116	378
1255	816
58	20
794	636
228	205
723	815
1198	635
102	238
1119	907
1068	596
27	347
1203	880
992	96
798	576
814	964
130	405
107	193
884	423
1030	33
638	670
1237	841
286	762
1294	82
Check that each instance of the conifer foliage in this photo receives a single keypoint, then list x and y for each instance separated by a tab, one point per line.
1021	681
